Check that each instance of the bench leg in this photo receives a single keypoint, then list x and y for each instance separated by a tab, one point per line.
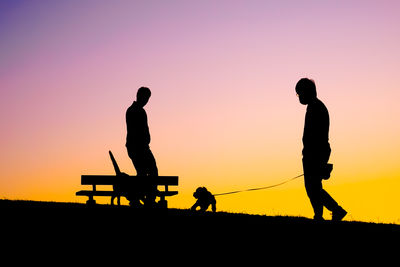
91	201
118	200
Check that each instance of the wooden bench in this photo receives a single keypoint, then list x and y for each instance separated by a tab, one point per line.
128	182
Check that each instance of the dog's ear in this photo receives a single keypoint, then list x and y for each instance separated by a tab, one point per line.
197	192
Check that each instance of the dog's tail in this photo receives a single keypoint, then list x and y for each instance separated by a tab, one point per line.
114	162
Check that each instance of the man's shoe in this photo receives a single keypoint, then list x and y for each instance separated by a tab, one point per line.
318	218
338	214
135	204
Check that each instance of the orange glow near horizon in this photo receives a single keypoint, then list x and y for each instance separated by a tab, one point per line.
223	112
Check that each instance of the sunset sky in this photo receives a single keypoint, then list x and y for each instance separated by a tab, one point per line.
223	112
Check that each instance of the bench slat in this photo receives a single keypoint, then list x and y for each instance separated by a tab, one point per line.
167	193
111	179
112	193
94	193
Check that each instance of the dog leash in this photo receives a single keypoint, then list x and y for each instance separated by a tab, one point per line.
260	188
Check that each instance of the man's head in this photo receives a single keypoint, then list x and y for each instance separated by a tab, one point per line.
142	96
306	90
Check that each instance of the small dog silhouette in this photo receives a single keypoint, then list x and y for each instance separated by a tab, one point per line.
123	188
204	199
118	188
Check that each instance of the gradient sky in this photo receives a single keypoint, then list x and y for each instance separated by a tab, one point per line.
223	112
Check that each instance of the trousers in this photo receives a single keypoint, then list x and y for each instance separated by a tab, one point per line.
144	161
319	198
145	165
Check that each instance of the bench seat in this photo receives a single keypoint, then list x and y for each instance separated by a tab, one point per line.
126	181
95	193
112	193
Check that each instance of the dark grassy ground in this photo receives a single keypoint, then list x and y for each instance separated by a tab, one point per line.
75	228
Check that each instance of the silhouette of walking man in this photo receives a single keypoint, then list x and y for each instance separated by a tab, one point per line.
137	143
316	151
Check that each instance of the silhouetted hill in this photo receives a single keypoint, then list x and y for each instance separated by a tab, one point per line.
104	227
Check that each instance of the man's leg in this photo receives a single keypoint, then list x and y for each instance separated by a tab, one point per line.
320	198
136	194
328	201
338	212
151	164
151	170
314	188
313	185
138	161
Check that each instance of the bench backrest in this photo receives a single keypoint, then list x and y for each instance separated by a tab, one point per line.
112	179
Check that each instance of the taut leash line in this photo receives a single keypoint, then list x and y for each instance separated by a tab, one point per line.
260	188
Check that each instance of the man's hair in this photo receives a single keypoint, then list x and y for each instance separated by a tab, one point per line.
306	86
143	91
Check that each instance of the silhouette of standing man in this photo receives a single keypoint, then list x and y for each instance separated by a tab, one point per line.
316	151
138	140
